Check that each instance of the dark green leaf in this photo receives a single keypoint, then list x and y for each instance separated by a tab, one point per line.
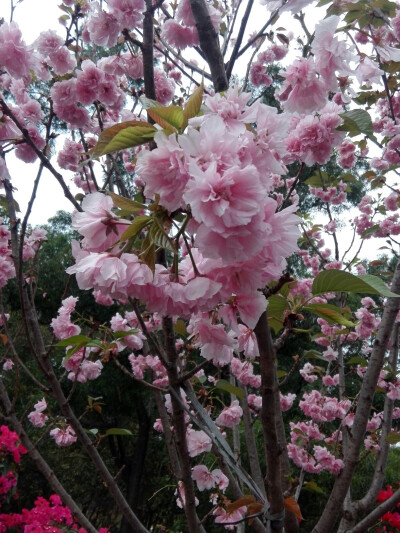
356	360
118	431
75	339
277	305
122	334
311	486
124	135
393	438
128	205
136	226
341	281
224	385
357	121
331	313
313	354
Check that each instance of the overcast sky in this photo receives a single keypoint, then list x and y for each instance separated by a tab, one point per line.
34	16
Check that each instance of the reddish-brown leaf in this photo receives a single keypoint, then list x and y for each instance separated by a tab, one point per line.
292	506
241	502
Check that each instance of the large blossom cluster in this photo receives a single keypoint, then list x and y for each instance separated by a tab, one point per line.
220	173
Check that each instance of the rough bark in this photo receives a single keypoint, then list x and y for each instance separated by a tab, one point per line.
273	446
209	43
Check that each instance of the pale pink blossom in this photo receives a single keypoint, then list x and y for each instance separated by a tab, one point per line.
224	517
203	477
88	81
48	41
330	381
97	223
198	442
165	87
247	342
7	365
331	55
330	354
306	373
286	402
230	416
25	152
102	28
37	418
15	56
63	436
178	35
62	61
302	90
129	13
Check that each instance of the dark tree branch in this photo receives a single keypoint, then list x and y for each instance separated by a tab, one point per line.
239	39
44	160
269	419
209	43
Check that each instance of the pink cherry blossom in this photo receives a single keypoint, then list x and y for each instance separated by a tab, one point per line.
63	436
15	56
178	35
302	91
203	477
198	442
98	225
230	416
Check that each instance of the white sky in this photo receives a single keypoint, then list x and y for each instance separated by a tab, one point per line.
34	16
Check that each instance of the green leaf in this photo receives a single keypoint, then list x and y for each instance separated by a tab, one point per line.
169	118
131	206
160	237
123	135
148	253
224	385
357	121
137	225
277	305
281	374
370	231
331	313
118	431
3	203
122	334
75	339
148	103
311	486
75	348
357	360
313	354
393	438
93	431
180	327
193	105
341	281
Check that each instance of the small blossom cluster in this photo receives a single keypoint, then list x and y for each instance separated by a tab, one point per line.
391	518
181	32
7	270
46	515
302	435
37	417
11	450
